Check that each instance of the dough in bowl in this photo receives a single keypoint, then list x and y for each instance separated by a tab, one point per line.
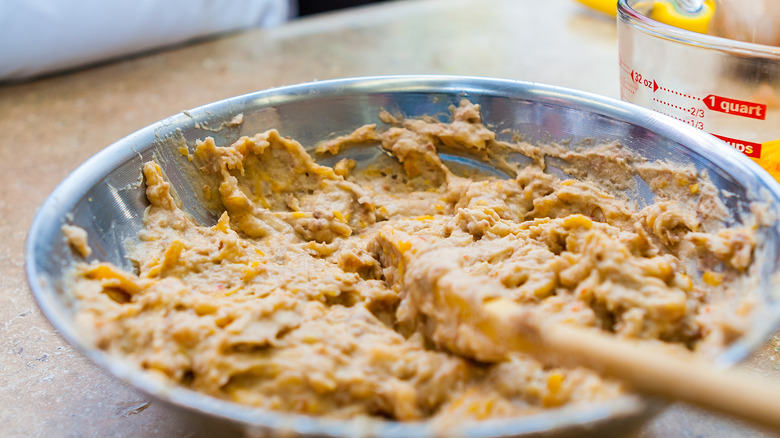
347	290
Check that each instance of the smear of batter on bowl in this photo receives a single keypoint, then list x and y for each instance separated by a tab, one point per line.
346	291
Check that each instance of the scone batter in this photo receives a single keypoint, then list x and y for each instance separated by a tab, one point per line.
346	291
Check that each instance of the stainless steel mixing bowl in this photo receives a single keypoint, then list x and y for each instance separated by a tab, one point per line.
106	197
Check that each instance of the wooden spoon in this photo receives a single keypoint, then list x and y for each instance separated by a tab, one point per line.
643	367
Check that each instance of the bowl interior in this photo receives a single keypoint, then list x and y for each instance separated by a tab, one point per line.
105	196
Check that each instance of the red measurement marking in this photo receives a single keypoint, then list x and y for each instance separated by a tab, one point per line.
696	124
670	104
736	107
623	65
653	85
649	83
749	148
674	117
668	90
627	86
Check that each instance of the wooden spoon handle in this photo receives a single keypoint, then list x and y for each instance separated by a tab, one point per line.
645	368
652	372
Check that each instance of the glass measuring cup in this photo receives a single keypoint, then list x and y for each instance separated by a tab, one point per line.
728	88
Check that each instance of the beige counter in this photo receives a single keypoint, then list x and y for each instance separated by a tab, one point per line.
50	126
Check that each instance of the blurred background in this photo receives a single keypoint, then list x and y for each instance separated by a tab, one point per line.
309	7
40	37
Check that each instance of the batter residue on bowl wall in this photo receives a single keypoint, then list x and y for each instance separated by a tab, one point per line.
340	291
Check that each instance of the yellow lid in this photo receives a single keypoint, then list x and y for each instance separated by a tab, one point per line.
605	6
664	11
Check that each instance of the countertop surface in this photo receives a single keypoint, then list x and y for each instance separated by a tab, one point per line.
49	126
